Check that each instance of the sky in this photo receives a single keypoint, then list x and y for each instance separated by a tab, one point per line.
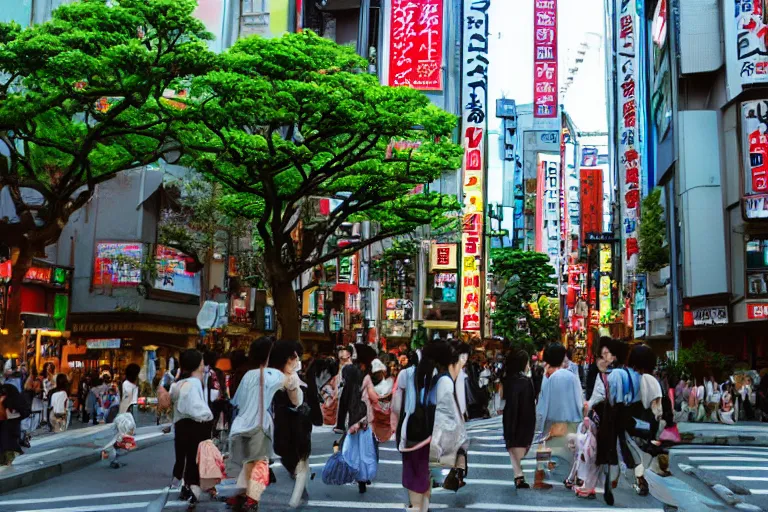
511	69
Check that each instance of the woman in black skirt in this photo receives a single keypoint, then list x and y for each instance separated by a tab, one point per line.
519	412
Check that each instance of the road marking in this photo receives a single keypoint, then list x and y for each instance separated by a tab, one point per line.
548	508
748	478
366	505
758	491
729	459
530	462
735	468
488	438
471	452
85	497
98	508
730	452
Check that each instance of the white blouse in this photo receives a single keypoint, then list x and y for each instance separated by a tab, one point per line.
247	400
189	401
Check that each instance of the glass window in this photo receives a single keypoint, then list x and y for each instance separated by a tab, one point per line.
757	267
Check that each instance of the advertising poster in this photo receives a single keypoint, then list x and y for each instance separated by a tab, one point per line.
443	257
591	191
416	44
754	124
545	91
474	122
641	306
117	264
172	274
745	44
551	208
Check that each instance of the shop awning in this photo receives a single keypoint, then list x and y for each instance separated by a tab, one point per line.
440	324
347	288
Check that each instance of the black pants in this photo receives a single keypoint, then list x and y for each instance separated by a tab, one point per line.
189	434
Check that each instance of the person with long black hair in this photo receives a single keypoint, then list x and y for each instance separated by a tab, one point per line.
192	421
519	411
129	393
293	417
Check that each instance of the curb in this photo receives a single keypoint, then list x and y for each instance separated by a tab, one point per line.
36	475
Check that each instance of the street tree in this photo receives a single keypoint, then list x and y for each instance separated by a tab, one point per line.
83	97
283	122
523	278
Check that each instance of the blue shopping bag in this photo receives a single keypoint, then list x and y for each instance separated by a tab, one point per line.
359	451
337	471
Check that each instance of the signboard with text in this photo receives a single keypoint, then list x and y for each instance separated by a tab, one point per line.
545	91
745	44
442	257
474	122
717	315
172	273
591	191
757	310
416	44
754	124
117	264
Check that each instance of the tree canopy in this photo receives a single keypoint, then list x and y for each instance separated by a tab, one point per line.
522	278
82	97
283	122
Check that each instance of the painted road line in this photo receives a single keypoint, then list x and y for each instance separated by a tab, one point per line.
728	459
488	438
756	492
360	505
721	452
471	464
70	435
549	508
85	497
504	454
748	478
142	505
735	468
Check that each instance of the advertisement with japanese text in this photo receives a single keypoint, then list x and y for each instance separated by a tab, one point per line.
545	92
416	44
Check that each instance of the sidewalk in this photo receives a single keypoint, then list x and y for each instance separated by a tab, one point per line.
55	454
744	433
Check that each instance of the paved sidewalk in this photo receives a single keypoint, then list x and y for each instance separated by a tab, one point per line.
55	454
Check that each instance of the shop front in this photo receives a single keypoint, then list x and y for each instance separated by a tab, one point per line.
441	307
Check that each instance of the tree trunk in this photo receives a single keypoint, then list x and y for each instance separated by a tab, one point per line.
21	260
287	309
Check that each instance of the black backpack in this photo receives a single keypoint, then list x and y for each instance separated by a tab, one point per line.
422	421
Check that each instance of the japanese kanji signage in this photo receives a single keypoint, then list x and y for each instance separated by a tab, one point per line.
475	108
757	310
627	125
591	190
550	168
416	44
545	58
745	44
754	124
443	257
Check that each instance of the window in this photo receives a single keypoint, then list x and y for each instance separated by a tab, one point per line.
253	6
757	267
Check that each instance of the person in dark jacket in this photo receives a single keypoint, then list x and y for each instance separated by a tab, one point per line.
13	409
519	412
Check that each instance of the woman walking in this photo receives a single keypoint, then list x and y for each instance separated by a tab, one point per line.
252	430
59	398
192	422
33	388
293	424
129	395
382	385
519	412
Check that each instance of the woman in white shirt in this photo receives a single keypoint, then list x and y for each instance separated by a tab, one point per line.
130	392
192	421
59	397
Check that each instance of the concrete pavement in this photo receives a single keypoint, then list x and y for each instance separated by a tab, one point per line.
147	474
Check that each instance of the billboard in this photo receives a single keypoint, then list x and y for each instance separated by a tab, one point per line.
745	44
545	92
754	124
172	274
591	192
416	44
474	95
117	264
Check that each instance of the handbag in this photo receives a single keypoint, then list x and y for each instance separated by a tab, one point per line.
359	452
336	470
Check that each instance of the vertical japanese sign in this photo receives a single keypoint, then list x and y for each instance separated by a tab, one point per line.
754	125
591	190
416	44
641	300
545	58
475	103
627	125
551	208
745	44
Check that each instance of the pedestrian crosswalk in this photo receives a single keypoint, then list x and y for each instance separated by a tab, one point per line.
745	466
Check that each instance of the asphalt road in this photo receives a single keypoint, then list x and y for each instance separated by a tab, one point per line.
99	489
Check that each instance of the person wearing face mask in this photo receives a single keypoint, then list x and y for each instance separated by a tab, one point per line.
293	423
192	422
382	385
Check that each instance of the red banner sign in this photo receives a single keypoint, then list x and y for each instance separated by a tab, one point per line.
757	310
545	58
416	44
591	189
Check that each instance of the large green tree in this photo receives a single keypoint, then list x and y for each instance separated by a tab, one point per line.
521	278
282	122
81	99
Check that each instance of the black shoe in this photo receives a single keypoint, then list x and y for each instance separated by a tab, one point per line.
272	477
24	442
520	483
185	493
193	501
361	487
608	496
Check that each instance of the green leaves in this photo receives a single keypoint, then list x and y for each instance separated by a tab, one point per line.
654	253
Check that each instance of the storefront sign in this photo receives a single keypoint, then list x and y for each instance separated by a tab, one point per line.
629	139
591	191
545	91
416	44
754	123
756	206
117	264
599	238
551	208
172	274
103	344
442	257
589	157
710	316
641	305
39	274
757	310
745	44
120	327
475	101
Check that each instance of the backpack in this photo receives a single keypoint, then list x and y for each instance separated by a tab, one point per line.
421	422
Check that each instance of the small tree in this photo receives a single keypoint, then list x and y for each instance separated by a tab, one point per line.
284	121
524	277
81	99
654	255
